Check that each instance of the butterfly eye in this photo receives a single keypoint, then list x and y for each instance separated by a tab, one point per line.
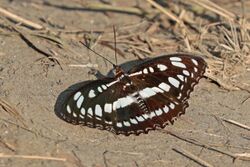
152	94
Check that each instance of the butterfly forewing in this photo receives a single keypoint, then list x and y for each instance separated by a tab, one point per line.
177	74
150	95
164	84
96	104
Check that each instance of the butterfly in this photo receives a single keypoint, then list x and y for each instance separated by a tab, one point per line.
149	95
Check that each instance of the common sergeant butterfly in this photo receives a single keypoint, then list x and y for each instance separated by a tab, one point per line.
150	95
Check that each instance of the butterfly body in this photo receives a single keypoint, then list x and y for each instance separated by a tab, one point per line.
150	95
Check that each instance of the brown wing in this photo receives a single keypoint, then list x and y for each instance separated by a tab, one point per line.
150	95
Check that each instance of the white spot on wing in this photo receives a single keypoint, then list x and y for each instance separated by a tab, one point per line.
164	86
157	90
185	79
179	97
90	112
109	122
140	119
77	95
68	109
145	116
152	114
91	93
179	64
98	118
185	72
79	101
192	74
98	110
83	112
195	69
166	109
74	114
151	69
133	121
195	62
158	112
119	125
99	89
145	71
172	106
108	108
104	87
161	67
174	82
126	123
128	84
181	77
175	59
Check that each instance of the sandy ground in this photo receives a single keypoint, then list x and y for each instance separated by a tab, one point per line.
32	83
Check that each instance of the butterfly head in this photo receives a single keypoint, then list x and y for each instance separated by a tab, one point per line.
119	72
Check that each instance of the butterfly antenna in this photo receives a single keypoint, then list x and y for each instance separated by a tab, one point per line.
114	65
115	44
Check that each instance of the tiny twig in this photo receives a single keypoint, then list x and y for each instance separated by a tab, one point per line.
121	42
101	7
89	65
19	19
2	155
104	158
80	31
142	50
78	160
168	13
192	157
215	8
243	156
130	10
7	145
136	53
236	123
125	152
197	143
11	110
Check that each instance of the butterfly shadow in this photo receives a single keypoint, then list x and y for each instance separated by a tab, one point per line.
59	107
